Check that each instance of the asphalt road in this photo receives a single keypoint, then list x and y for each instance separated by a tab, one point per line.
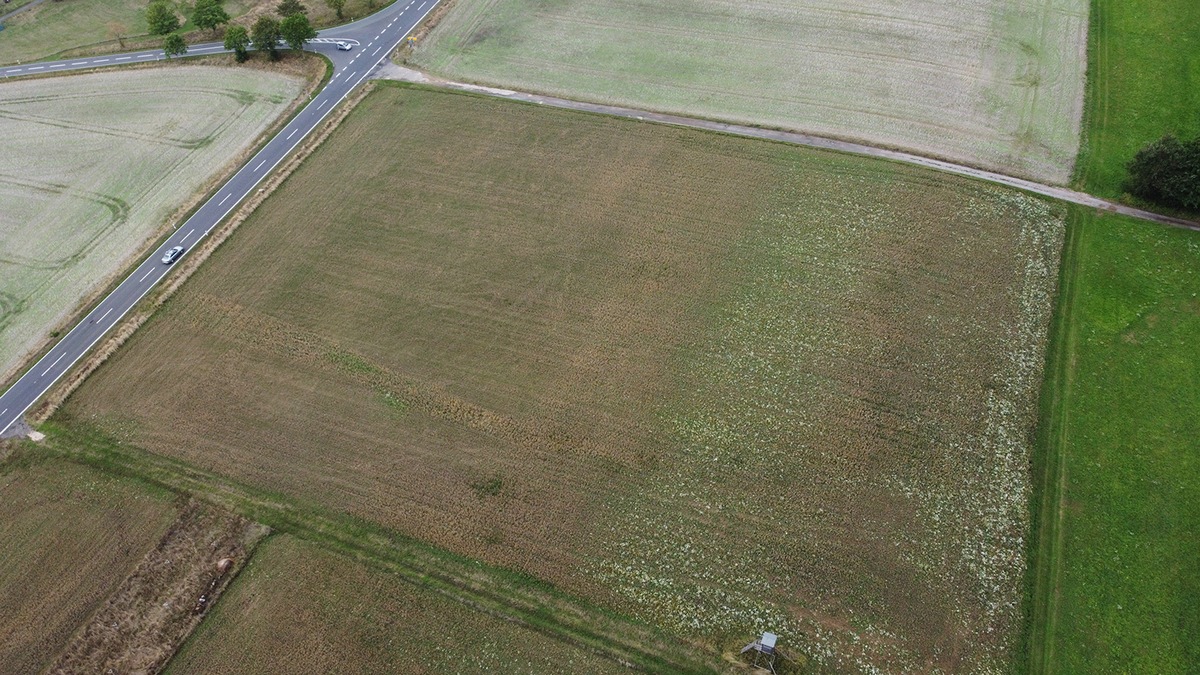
374	37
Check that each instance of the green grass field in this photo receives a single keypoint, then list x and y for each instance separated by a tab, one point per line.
298	608
68	536
718	384
1144	82
53	27
1118	577
986	82
96	164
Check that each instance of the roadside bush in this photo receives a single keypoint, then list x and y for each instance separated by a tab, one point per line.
1167	172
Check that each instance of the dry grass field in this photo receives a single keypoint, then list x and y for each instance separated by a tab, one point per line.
720	384
71	28
95	165
347	618
68	536
988	82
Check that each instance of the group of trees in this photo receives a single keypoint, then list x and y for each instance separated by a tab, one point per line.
265	35
162	20
1167	172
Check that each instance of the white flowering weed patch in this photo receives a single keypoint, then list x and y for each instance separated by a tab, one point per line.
986	82
92	167
850	448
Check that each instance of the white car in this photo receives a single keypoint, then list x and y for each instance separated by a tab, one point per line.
344	46
172	255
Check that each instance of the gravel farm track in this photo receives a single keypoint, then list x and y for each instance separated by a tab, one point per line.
806	140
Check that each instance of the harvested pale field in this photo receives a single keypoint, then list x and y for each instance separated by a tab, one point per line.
298	608
68	536
721	384
94	167
992	83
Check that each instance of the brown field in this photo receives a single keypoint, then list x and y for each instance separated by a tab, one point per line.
722	385
68	536
157	606
347	618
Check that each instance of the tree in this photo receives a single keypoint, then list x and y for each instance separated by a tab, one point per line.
1167	172
337	6
161	18
208	14
174	45
237	40
266	36
297	30
291	8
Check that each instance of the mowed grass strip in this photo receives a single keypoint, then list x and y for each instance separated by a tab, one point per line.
96	164
985	82
1143	70
299	608
68	536
723	385
1118	585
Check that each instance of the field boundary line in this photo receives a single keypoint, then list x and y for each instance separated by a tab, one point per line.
413	77
495	591
1049	465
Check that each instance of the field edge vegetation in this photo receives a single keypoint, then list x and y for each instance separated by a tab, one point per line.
502	593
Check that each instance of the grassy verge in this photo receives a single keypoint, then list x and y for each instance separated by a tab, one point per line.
1114	587
1143	70
503	594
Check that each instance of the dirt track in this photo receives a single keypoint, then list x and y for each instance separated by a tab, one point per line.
393	72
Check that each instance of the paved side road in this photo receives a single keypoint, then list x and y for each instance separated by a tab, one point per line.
375	37
394	72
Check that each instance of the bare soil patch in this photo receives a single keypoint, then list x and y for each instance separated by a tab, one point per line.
68	536
152	612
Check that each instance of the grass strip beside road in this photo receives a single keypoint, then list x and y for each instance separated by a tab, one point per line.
1143	70
1115	583
511	596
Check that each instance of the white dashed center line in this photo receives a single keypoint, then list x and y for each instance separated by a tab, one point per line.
104	315
60	358
291	134
322	104
100	61
223	200
148	273
80	63
260	164
37	67
376	51
122	58
185	237
421	7
146	56
59	65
